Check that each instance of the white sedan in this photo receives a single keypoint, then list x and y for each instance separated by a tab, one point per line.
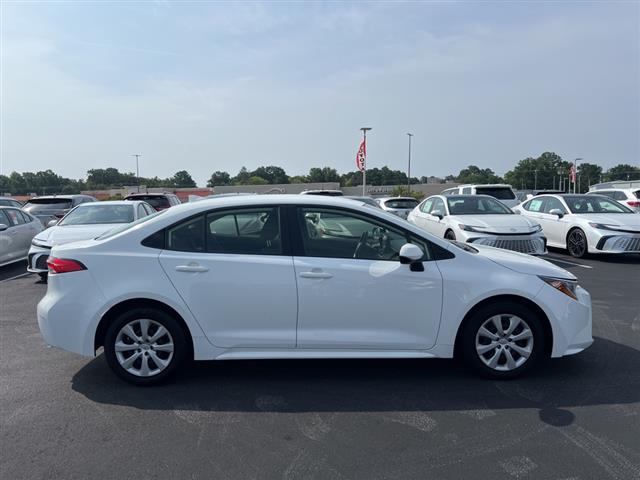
303	276
480	220
585	224
87	220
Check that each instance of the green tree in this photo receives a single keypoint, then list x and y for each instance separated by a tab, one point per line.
623	171
323	175
540	173
219	178
182	179
255	180
242	178
271	174
588	174
474	174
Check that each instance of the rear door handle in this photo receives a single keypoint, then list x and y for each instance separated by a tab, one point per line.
192	267
316	274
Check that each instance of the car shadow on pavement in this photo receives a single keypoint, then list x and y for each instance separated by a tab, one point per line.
605	374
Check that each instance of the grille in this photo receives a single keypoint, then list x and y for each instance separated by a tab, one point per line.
521	246
627	244
41	262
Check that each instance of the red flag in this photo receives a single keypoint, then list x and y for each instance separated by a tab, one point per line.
572	173
361	157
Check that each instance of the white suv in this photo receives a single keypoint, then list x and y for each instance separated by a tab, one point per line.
629	197
500	191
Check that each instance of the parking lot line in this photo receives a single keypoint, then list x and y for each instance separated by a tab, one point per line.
554	259
17	276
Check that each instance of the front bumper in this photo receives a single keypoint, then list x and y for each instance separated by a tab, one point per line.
571	320
37	259
618	243
529	244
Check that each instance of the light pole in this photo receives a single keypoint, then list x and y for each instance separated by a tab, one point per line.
364	170
137	155
575	166
409	165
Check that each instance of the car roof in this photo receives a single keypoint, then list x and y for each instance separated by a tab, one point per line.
69	197
112	202
485	185
154	194
398	198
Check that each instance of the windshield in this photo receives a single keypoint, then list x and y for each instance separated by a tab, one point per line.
594	204
501	193
48	204
401	203
98	214
475	205
122	228
153	200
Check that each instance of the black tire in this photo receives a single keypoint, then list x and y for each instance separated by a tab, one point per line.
577	243
467	340
180	345
449	235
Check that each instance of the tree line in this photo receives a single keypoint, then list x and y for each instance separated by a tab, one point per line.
548	171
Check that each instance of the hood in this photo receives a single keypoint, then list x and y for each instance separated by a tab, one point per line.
58	235
630	221
521	263
498	223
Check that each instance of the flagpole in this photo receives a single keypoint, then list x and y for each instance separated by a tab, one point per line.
364	170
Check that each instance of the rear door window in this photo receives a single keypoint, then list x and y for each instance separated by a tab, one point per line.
4	219
15	216
187	236
254	231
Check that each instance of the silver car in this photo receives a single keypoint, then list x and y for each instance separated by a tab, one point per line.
54	207
400	206
17	228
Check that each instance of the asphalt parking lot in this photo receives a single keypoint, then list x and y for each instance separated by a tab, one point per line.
64	416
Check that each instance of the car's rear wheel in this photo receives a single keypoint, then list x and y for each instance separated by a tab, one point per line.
145	346
577	243
503	341
449	235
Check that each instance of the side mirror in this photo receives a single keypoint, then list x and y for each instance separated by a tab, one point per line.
437	213
52	223
556	211
411	254
3	227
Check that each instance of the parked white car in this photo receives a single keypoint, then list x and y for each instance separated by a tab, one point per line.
263	277
86	221
501	191
629	197
480	220
585	224
17	228
400	206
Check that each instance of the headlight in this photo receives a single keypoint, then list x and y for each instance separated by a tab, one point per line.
536	228
568	287
603	226
469	228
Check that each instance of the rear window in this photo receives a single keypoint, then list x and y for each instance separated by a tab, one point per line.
501	193
154	201
48	204
401	203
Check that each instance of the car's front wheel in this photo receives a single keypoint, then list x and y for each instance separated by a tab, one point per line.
503	340
449	235
577	243
145	346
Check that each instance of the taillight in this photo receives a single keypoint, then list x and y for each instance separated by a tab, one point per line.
633	203
64	265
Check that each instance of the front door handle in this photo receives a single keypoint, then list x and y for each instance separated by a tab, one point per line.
316	274
192	267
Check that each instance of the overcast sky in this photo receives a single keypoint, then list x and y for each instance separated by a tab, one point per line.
215	86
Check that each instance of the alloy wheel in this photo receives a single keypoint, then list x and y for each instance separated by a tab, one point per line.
504	342
144	348
576	243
